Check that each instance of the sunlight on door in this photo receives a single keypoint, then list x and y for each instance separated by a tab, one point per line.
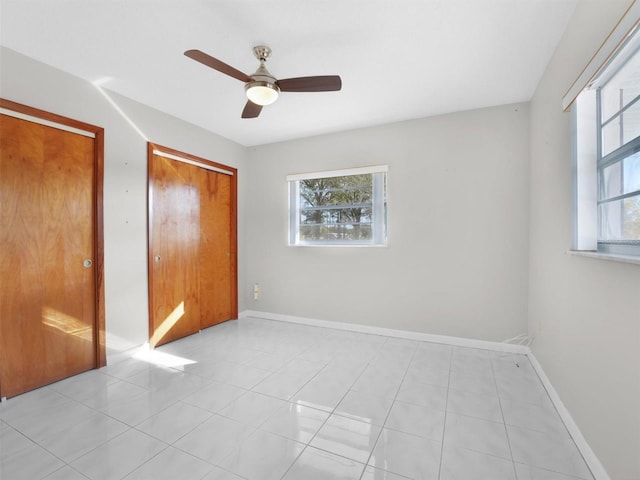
167	324
66	324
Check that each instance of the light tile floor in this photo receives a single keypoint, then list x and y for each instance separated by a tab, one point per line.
263	400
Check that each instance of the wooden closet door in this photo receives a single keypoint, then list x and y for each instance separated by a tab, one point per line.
47	255
217	249
192	244
175	245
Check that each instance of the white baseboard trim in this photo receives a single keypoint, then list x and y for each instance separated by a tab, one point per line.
588	454
597	469
389	332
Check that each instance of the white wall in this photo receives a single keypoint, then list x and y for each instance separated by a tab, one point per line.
457	221
27	81
584	312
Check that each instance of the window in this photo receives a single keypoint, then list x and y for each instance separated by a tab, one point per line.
607	155
339	207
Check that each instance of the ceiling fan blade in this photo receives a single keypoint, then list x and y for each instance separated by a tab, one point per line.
251	110
324	83
216	64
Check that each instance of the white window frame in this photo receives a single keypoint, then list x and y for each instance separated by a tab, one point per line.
587	161
379	207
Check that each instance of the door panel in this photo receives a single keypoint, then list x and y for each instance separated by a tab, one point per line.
175	247
48	308
216	252
192	245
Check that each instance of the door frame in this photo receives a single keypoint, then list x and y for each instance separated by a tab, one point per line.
58	121
155	149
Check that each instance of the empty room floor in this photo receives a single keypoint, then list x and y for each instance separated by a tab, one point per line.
264	400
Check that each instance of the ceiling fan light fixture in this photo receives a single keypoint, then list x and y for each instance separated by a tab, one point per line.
262	93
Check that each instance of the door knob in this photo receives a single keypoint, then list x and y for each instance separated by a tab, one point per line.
156	258
87	263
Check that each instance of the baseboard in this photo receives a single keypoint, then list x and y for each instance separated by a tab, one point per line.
389	332
588	454
597	469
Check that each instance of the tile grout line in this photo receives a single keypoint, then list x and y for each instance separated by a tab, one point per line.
390	408
326	419
65	463
504	421
446	409
308	444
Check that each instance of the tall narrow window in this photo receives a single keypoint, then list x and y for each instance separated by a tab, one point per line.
607	155
339	207
618	107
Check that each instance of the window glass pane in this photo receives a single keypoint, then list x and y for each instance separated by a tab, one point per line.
335	232
632	173
611	181
621	130
340	210
620	220
623	87
621	177
631	122
336	190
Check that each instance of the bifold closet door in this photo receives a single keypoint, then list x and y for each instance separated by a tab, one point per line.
48	257
218	299
192	254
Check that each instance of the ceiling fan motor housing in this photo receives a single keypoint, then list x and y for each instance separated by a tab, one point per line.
263	89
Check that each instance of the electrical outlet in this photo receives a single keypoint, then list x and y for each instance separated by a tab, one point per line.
256	291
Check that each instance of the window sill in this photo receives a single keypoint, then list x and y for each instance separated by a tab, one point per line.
339	245
606	256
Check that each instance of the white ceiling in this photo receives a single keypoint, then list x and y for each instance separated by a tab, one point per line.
398	60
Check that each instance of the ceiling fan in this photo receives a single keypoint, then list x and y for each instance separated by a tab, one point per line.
261	87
